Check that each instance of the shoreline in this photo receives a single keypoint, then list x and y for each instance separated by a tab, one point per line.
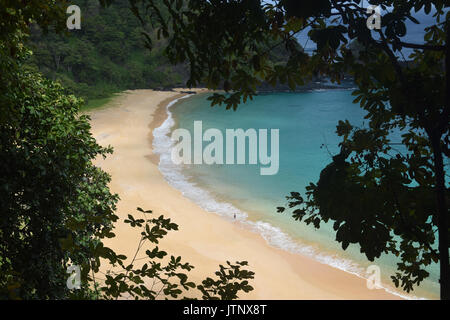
204	239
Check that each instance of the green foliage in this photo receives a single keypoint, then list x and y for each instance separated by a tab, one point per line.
107	55
154	274
226	287
56	207
95	103
52	196
50	192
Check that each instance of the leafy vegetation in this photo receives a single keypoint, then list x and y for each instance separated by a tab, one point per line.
95	103
56	207
47	184
154	275
109	54
106	56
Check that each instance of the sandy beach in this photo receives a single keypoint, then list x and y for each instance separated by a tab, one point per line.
204	239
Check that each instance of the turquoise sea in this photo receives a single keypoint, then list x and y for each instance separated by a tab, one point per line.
307	124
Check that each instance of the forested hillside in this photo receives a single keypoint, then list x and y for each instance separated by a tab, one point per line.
107	55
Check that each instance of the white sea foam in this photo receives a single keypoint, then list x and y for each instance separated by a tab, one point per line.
162	145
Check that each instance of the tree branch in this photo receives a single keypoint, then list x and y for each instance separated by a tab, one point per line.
421	46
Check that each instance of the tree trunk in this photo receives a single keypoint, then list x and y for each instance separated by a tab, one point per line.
442	220
441	190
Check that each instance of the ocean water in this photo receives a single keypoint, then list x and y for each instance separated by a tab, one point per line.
307	135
